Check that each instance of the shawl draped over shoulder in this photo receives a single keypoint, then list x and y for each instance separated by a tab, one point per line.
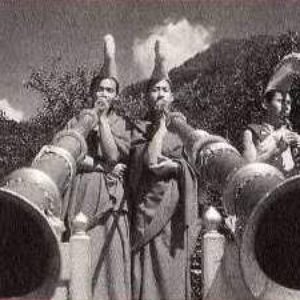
165	222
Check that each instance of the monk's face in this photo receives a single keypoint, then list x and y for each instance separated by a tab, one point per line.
107	91
287	105
160	96
274	106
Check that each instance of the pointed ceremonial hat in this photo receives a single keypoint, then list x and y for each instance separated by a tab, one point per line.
285	72
109	67
160	71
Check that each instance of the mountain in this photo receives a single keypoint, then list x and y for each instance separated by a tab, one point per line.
218	90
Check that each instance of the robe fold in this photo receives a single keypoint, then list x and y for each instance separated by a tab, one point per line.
165	223
99	194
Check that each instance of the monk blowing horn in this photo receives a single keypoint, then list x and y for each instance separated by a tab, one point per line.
263	260
30	210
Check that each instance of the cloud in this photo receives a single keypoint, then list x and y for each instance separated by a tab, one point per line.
10	112
179	41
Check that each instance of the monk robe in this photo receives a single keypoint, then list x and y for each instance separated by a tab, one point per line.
164	223
99	194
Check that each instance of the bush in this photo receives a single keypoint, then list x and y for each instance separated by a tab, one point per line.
218	90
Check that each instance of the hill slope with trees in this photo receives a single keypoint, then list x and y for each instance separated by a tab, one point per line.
218	90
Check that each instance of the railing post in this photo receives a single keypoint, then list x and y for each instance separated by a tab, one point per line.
80	254
62	287
212	248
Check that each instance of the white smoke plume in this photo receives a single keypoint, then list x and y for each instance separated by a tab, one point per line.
179	41
10	112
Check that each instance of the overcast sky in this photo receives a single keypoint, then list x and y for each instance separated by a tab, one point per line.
32	32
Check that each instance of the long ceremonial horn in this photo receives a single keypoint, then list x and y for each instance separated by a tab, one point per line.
284	73
30	209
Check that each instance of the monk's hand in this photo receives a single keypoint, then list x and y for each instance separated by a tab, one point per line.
294	139
87	163
270	144
172	117
102	106
297	140
119	170
288	137
230	223
166	167
276	141
162	127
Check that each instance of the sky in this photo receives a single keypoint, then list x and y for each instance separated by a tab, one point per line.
35	32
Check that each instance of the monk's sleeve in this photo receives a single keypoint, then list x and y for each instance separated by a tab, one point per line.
122	135
187	180
71	123
136	157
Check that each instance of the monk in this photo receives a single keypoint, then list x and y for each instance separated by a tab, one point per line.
272	141
164	194
98	191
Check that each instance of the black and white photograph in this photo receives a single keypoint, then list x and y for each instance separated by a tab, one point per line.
150	149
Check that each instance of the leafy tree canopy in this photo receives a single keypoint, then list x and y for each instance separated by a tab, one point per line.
218	90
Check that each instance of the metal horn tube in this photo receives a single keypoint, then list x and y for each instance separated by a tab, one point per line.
265	254
220	164
30	209
270	244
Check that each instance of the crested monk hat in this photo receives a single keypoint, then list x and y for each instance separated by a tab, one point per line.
160	71
284	73
109	67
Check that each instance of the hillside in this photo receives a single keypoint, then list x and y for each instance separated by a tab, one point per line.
217	90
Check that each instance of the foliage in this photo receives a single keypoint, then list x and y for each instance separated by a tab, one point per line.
64	94
218	90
